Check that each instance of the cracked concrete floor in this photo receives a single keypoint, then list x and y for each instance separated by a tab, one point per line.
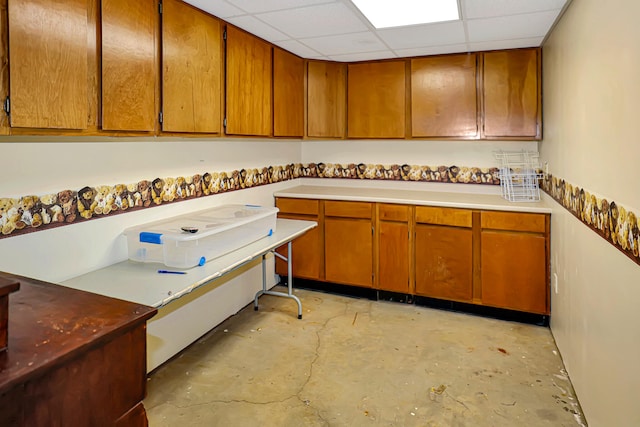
356	362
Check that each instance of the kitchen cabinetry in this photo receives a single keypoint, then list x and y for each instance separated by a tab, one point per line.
376	100
444	96
348	242
326	99
511	94
394	248
444	253
191	69
74	358
248	87
288	94
514	261
48	64
308	262
129	64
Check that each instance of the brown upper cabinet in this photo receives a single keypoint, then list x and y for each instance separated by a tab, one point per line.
191	70
326	99
129	65
376	100
248	75
48	64
512	94
444	96
288	94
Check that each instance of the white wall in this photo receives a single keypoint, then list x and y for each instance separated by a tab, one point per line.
591	65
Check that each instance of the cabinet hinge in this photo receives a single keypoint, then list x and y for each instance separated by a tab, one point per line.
160	7
160	117
224	122
7	106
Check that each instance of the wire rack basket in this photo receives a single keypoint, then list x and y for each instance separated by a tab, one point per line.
519	175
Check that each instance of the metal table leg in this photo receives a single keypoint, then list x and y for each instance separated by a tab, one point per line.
289	293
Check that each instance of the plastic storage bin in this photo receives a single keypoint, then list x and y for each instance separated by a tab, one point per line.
188	240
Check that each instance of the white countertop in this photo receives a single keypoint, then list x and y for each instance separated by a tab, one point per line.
415	197
141	283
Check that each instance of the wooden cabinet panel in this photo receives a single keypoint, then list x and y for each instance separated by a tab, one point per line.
513	221
444	263
393	212
511	91
128	64
298	206
248	84
348	209
307	252
376	100
348	251
393	256
326	99
191	69
444	216
444	96
288	94
513	270
48	57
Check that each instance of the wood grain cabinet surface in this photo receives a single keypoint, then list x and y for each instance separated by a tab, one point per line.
512	94
288	94
73	358
444	96
326	99
48	85
376	100
394	248
129	65
249	87
191	69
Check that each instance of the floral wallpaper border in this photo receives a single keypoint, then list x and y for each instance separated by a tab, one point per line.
614	223
31	213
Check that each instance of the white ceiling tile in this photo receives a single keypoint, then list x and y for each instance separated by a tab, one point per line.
432	50
424	35
472	9
258	28
259	6
367	56
221	8
299	49
512	27
314	21
345	44
506	44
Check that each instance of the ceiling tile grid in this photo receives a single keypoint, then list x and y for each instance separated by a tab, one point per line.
337	30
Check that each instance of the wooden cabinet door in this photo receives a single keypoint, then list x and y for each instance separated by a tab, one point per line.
376	100
326	99
48	57
191	69
393	256
348	251
307	252
444	262
129	65
513	271
511	93
444	96
288	94
248	84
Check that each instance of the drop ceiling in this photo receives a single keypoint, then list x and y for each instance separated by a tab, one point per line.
336	30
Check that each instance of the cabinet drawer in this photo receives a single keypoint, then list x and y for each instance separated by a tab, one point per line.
393	212
513	221
347	209
444	216
299	206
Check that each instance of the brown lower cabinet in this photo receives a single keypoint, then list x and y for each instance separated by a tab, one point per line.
492	258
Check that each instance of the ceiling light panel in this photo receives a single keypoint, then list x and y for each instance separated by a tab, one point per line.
397	13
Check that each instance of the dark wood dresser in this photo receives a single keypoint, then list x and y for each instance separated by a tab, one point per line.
73	358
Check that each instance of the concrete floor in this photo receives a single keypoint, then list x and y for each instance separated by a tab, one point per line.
356	362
